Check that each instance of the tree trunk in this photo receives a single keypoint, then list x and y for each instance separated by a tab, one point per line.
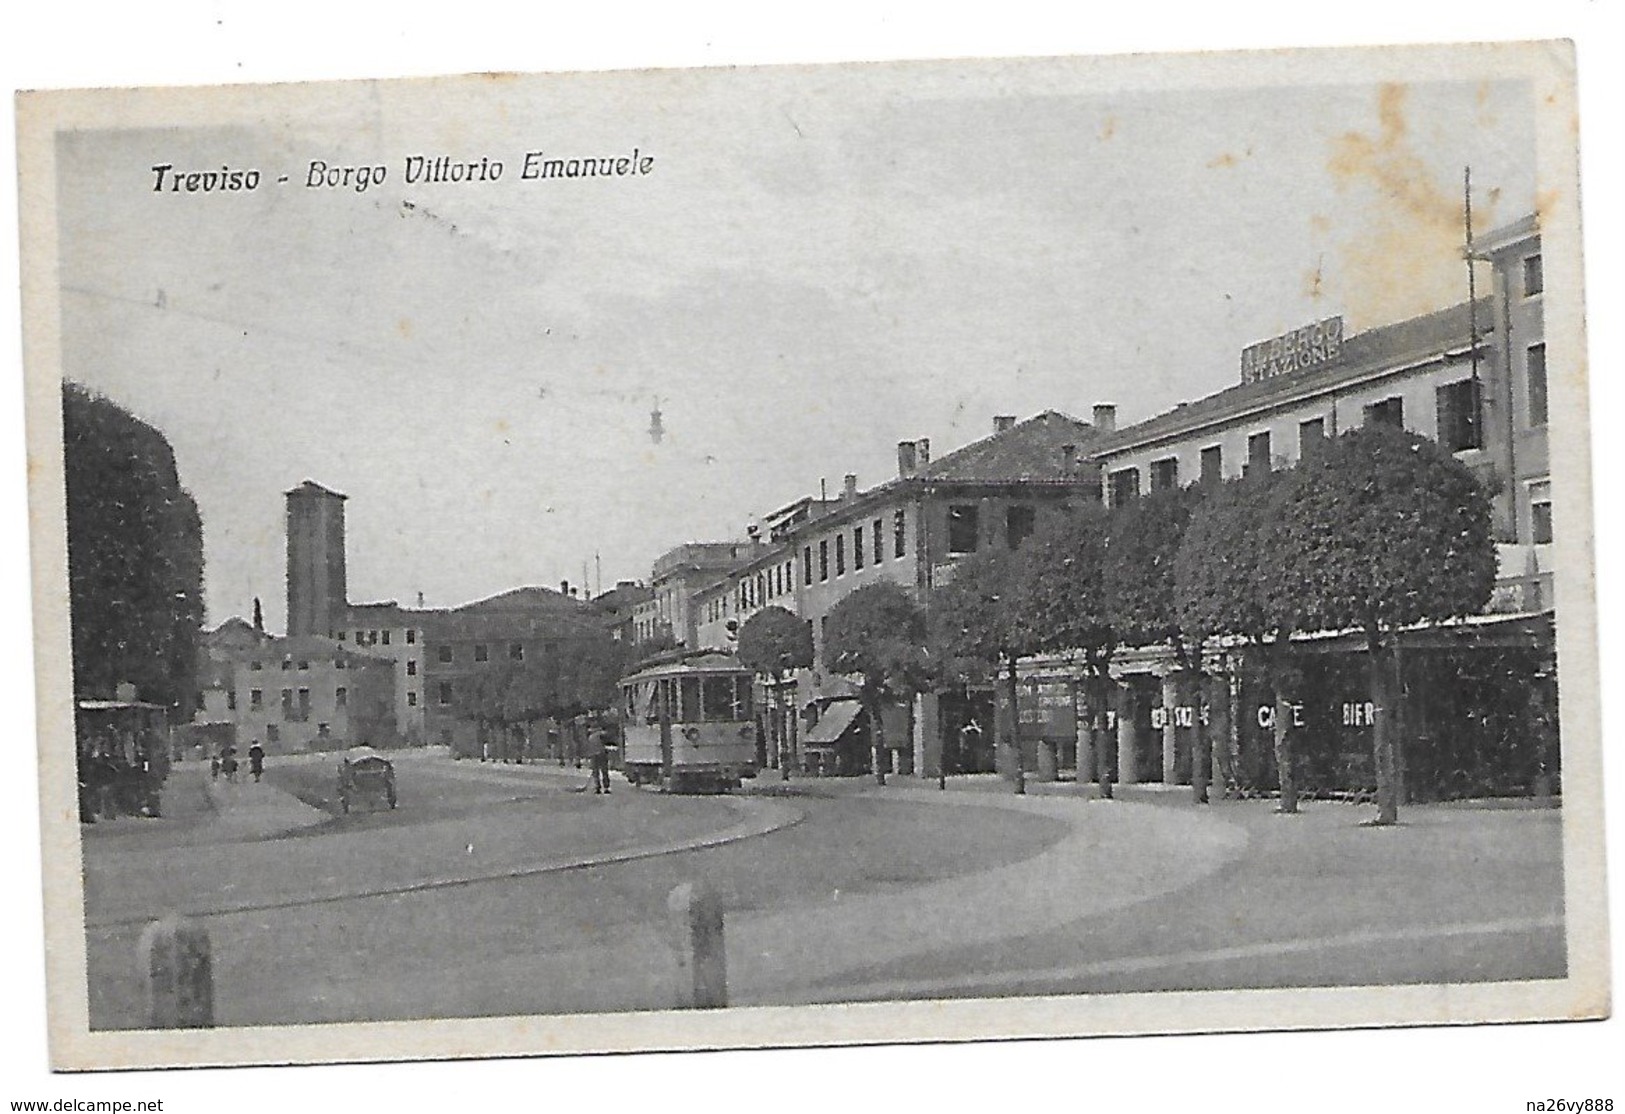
1193	695
877	737
1097	712
1018	767
1281	731
1382	732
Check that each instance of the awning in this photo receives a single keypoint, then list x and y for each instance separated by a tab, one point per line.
833	723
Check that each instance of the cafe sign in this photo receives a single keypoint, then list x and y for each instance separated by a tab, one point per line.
1300	350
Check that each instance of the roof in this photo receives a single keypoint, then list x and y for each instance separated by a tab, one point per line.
529	599
686	661
1363	354
311	487
1523	229
1026	452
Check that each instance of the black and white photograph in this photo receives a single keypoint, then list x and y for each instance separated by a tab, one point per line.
803	555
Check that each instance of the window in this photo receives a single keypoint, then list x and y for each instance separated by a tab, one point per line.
823	560
875	533
1258	454
1458	409
445	693
231	700
1019	522
1534	281
411	636
372	638
720	699
254	665
411	700
342	635
411	667
1540	513
516	651
304	703
840	554
1535	371
341	662
200	705
857	547
360	638
273	733
806	565
256	699
481	652
385	638
963	528
321	731
287	703
1390	411
1125	486
444	655
1311	438
899	533
1213	464
305	665
341	698
789	575
1165	473
287	663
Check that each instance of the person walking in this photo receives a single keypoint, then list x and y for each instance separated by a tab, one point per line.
600	761
256	759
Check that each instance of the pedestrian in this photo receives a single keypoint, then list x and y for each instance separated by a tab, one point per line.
599	753
256	759
228	762
214	766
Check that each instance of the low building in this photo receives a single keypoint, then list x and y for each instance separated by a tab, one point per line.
300	693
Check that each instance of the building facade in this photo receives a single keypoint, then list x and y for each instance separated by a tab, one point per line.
298	693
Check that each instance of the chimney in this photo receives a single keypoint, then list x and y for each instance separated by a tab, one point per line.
923	448
907	459
564	587
1105	417
849	486
1003	422
1069	457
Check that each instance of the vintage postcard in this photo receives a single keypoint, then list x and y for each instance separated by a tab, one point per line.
812	555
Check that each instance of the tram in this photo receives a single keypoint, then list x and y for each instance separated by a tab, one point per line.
689	724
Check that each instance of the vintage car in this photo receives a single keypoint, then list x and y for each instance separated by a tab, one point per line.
365	777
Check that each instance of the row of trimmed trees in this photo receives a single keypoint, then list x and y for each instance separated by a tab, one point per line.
1377	530
135	556
507	702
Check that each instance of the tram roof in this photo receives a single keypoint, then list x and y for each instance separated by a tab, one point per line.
692	661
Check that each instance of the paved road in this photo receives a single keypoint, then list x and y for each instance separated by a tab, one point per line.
483	946
542	899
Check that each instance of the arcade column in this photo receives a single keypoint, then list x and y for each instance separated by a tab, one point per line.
1128	734
927	735
1170	730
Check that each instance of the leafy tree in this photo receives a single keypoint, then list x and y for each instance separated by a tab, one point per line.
774	642
1141	599
1228	580
135	556
878	634
1382	530
975	631
1062	606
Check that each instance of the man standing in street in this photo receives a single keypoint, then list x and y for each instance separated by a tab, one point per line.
256	759
600	762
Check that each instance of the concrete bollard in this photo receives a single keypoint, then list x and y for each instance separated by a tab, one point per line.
176	957
702	961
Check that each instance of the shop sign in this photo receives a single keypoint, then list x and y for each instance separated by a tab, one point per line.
1266	715
1300	350
1183	716
1046	709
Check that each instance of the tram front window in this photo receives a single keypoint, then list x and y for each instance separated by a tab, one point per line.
719	700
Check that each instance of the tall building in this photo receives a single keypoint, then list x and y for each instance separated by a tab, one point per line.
317	595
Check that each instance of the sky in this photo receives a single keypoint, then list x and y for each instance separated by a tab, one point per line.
820	263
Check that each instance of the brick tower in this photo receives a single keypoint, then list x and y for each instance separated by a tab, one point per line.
317	597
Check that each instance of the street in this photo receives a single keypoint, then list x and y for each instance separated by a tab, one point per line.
496	890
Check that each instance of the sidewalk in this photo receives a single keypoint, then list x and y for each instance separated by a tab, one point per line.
247	809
